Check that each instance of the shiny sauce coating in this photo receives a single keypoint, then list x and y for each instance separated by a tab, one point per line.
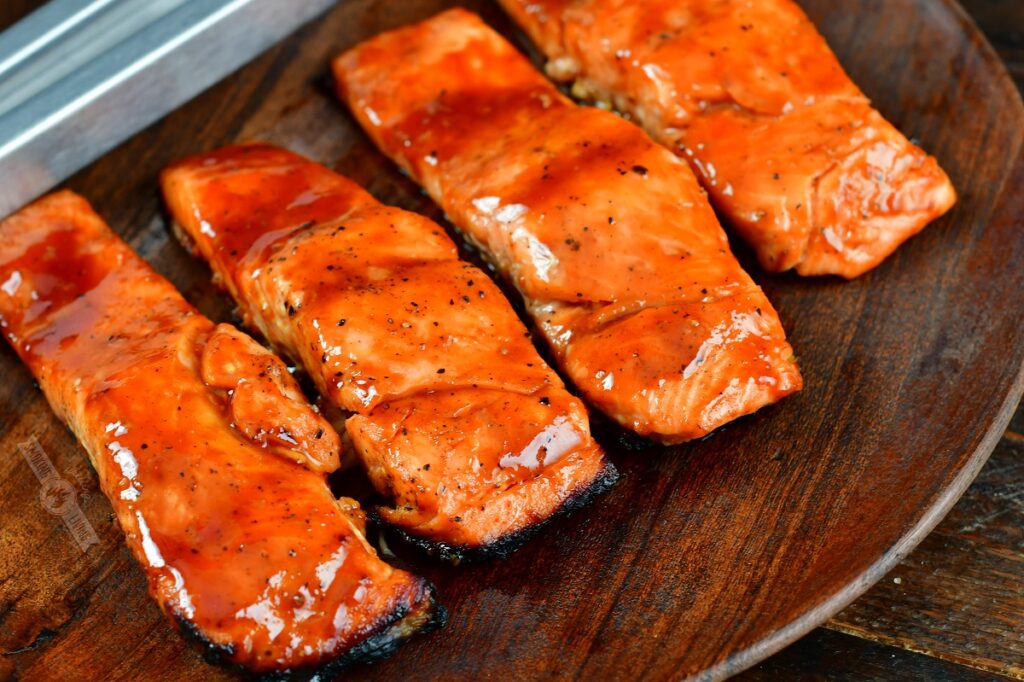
458	421
209	454
608	236
750	94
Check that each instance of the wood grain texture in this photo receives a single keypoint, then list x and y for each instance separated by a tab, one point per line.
836	657
963	602
960	595
971	570
706	557
1002	21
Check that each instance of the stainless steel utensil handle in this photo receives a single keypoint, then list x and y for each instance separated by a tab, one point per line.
79	76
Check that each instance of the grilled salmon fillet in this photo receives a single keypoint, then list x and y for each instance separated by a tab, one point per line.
458	421
607	235
790	150
211	458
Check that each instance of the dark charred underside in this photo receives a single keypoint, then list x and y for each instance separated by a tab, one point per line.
389	635
507	544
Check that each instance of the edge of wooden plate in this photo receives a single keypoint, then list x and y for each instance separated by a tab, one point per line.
818	615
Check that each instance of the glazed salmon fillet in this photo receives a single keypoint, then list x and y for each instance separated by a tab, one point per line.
458	421
607	235
212	459
790	150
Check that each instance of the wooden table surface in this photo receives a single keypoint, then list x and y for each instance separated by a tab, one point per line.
954	609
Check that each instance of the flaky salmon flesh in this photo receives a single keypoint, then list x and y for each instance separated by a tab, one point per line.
749	93
607	235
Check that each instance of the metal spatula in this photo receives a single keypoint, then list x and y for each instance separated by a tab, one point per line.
79	76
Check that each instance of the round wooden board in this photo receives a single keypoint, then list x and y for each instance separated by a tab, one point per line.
706	557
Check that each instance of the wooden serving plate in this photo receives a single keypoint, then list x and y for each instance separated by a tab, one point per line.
706	557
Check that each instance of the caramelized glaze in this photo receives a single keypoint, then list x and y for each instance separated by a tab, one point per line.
243	547
458	421
607	235
751	95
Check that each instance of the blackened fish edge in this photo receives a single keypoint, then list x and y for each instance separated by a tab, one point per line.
385	640
504	546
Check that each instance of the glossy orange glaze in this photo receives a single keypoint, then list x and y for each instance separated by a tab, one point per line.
457	419
607	235
267	406
241	545
749	92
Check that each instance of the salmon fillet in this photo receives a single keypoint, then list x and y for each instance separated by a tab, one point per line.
211	458
790	150
607	235
458	421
